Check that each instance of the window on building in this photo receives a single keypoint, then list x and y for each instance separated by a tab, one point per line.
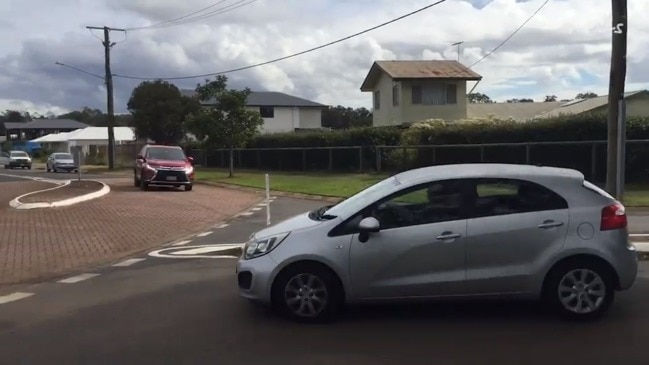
267	111
396	95
377	99
434	94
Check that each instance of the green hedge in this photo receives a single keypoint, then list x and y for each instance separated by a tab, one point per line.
585	127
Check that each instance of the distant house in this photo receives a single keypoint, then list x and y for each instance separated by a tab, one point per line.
19	132
281	112
410	91
516	111
637	105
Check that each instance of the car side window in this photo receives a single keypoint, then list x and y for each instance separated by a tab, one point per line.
436	202
495	197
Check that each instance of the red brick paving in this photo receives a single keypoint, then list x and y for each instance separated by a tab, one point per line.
42	243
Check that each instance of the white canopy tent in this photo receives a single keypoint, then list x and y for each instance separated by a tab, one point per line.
98	136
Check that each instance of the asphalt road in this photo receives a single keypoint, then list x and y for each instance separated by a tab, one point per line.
187	311
45	175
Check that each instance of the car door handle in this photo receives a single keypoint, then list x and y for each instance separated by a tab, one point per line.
550	224
448	236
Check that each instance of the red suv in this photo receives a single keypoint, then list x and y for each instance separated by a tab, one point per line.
163	165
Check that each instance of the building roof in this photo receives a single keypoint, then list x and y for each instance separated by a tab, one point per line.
579	106
47	124
268	98
431	69
88	134
517	111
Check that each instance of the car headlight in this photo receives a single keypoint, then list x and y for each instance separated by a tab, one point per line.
149	167
255	248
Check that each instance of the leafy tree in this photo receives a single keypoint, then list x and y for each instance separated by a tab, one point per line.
340	117
479	98
94	117
226	122
14	116
159	111
586	95
550	98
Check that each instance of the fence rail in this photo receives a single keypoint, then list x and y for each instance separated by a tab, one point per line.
586	156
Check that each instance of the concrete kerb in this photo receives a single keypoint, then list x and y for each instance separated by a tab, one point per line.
16	204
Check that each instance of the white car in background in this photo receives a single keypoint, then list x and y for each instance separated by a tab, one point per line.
61	161
14	159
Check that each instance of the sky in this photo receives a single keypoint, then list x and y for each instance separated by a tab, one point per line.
562	51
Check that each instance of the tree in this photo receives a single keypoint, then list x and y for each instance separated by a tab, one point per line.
340	117
520	100
14	116
550	98
159	111
93	117
226	122
479	98
586	95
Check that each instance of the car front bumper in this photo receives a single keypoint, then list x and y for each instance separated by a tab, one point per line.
169	177
65	167
15	163
254	278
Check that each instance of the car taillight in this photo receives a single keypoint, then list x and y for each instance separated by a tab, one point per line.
613	217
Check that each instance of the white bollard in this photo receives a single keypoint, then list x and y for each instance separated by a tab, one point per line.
267	200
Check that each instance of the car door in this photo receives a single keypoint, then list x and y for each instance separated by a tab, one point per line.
420	248
514	226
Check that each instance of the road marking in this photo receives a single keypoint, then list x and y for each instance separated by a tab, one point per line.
78	278
14	296
262	205
247	214
256	209
200	251
639	235
181	243
204	234
128	262
222	226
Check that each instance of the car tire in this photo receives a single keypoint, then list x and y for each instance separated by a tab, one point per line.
189	187
136	182
144	185
577	297
318	282
47	168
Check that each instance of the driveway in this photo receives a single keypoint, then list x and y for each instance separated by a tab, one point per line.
178	310
43	243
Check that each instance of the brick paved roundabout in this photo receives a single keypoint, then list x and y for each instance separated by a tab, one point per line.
43	243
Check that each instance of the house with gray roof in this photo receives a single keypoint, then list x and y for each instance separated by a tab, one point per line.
40	127
637	105
281	112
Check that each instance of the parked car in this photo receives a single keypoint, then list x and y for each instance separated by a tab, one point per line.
61	161
14	159
468	230
163	165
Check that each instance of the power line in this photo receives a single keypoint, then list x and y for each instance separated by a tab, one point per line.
285	57
80	70
181	20
511	35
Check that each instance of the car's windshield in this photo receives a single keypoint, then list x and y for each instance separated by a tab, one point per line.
363	198
164	153
19	154
63	156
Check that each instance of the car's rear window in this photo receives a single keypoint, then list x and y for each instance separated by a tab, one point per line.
63	156
596	189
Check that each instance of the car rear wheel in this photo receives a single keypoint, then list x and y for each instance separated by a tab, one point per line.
307	293
580	289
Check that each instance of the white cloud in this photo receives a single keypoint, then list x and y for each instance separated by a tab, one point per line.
564	50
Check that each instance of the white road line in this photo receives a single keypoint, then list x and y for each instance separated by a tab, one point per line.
204	234
181	243
78	278
128	262
256	209
262	205
14	296
247	214
222	226
641	246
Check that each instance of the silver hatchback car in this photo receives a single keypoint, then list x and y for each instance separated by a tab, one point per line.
468	230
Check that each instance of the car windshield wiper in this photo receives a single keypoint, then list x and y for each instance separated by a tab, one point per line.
321	213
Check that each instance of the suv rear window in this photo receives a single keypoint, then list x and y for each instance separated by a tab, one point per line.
596	189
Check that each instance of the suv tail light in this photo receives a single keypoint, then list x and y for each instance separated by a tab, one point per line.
613	217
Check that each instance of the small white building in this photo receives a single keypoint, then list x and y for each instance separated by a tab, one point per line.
281	112
85	138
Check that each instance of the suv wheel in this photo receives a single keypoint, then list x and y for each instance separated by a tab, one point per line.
136	182
144	185
580	289
307	293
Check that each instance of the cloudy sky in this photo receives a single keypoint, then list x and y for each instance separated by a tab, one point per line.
564	50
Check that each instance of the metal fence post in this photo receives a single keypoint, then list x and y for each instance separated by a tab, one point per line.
330	159
593	162
528	157
360	159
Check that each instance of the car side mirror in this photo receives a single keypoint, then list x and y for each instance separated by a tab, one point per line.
191	160
140	157
366	226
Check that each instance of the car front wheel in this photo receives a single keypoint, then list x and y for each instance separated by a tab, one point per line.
581	289
307	293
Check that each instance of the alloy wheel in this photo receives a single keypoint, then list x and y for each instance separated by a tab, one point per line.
582	291
306	295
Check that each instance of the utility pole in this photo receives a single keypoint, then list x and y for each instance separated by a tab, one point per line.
615	160
458	49
110	123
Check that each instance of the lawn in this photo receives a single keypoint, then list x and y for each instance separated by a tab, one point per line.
344	185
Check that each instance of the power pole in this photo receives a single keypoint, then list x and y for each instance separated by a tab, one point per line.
458	44
109	91
616	107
